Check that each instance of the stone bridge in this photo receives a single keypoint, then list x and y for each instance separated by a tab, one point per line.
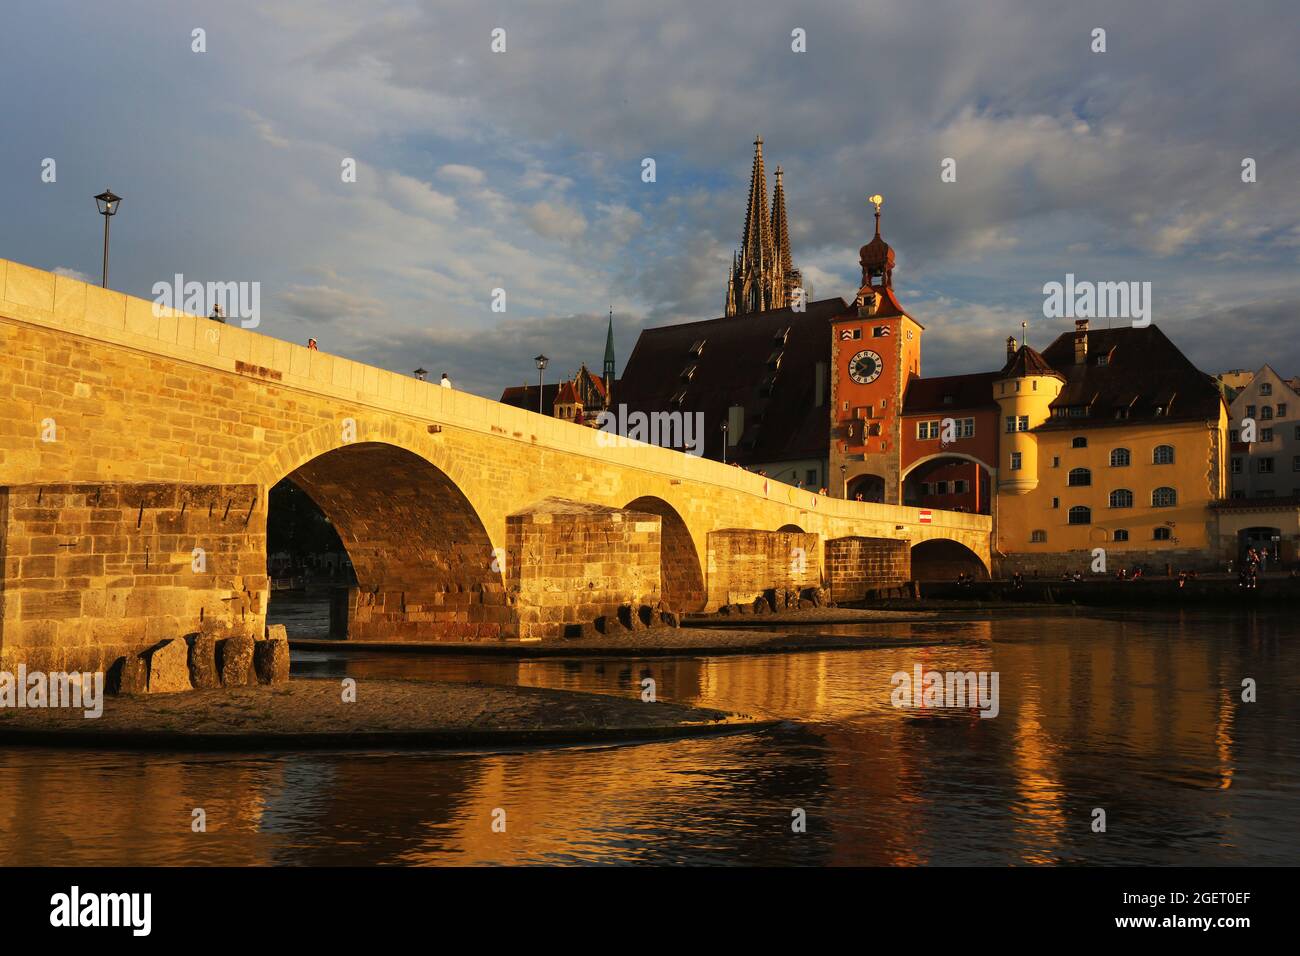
137	451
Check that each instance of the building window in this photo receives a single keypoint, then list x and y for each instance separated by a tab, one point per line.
966	427
1163	455
1266	413
1236	464
1162	534
1121	498
1265	435
1080	514
1079	442
1265	466
1233	436
927	430
1120	534
1266	388
1297	433
1281	409
1295	462
941	488
925	488
1056	502
811	477
1022	423
1164	497
1103	360
1015	461
1011	424
1056	461
1250	411
961	486
1037	537
1080	477
1120	458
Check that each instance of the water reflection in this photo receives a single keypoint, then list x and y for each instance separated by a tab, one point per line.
1137	714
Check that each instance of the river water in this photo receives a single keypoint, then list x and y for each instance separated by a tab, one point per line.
1136	714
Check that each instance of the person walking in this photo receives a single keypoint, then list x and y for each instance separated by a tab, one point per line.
311	345
445	382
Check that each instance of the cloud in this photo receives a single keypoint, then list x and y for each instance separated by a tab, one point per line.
322	303
556	220
458	173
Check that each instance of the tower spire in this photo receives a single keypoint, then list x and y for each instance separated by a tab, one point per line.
609	359
762	274
785	277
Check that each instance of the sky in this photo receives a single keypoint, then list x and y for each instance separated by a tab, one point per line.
522	170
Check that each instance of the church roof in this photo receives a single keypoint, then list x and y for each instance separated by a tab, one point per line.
764	362
567	395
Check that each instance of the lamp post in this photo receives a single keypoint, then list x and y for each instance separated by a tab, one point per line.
724	443
844	481
108	204
541	361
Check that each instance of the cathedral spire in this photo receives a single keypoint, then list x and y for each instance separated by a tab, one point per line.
755	244
609	357
762	274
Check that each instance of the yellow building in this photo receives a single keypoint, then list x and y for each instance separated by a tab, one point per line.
1109	439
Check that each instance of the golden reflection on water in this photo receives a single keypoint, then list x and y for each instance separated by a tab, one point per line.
1137	715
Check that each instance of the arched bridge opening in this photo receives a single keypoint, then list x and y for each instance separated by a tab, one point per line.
941	559
423	562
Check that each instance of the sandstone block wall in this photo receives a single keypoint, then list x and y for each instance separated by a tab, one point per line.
857	566
93	572
743	564
569	563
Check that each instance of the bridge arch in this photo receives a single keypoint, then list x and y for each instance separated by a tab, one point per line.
951	469
423	559
680	569
943	559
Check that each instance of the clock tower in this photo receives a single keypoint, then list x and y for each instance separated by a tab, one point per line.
875	352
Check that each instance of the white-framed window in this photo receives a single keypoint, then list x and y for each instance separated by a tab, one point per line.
1121	498
1080	514
1121	534
1120	458
1015	461
1163	455
1079	478
1037	537
1162	534
1164	497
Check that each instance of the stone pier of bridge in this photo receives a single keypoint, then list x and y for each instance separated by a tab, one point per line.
138	447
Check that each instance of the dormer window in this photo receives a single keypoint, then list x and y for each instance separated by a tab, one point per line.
697	347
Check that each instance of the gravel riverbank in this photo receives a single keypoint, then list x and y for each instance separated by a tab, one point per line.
312	714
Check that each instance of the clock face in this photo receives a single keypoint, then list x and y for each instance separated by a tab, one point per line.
865	367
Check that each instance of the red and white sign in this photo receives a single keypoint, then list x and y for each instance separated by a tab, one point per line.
926	515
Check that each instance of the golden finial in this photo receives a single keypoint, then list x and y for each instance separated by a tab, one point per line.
876	201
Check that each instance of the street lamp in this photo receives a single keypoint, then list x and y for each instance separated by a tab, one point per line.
844	481
724	443
420	373
108	204
541	361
